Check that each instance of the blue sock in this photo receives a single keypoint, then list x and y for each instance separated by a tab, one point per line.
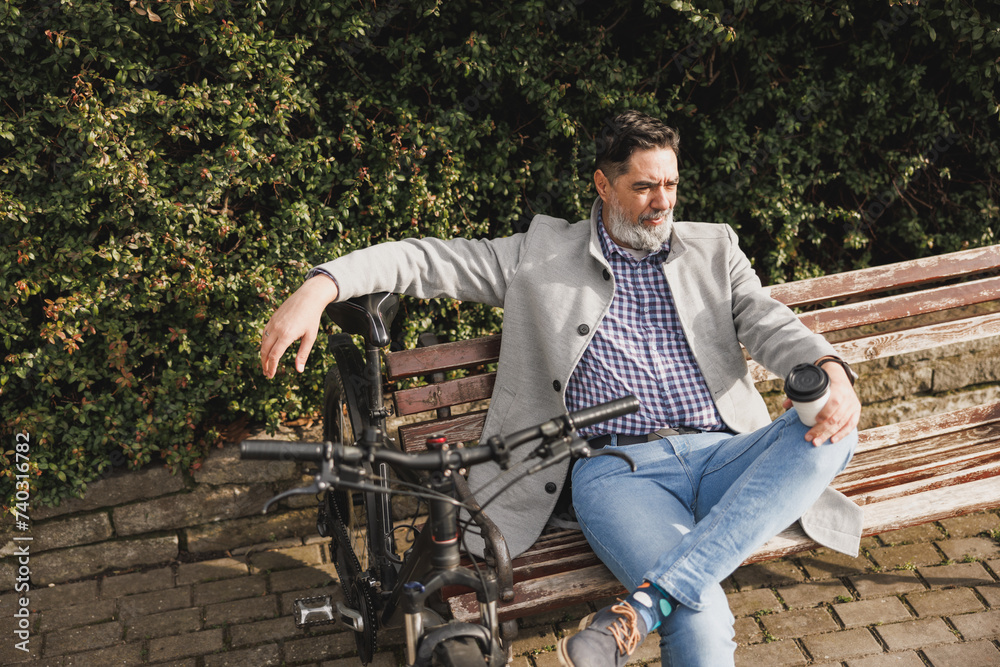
651	603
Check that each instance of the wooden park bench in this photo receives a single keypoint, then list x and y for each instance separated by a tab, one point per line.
903	474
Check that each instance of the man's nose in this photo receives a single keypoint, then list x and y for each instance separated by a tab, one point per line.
660	200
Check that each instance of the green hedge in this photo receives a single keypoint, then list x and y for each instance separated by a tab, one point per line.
171	169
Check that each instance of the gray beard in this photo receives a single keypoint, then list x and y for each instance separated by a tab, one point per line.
634	234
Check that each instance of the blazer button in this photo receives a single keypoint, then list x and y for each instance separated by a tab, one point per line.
583	329
606	274
556	385
550	487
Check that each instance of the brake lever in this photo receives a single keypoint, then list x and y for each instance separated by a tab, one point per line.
554	452
322	480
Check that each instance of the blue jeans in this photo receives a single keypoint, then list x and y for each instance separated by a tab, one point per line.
697	506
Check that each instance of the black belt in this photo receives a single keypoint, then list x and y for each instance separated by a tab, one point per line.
604	440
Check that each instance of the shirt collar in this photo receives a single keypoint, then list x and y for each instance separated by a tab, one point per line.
609	247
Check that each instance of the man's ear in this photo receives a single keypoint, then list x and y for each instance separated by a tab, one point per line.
602	183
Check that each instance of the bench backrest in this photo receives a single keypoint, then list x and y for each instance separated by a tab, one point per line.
867	314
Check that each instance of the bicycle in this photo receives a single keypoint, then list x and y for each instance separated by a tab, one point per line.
355	509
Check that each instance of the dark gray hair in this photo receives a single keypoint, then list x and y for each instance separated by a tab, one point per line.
628	132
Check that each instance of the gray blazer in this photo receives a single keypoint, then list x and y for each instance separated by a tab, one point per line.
551	281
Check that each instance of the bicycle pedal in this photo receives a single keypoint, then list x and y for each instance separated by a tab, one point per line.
350	617
313	611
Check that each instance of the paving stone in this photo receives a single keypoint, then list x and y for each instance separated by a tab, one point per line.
116	489
286	559
387	659
813	593
240	611
915	634
944	603
174	622
271	630
925	532
905	659
791	624
971	654
153	602
64	595
231	535
82	639
229	589
259	656
182	646
906	556
984	625
91	559
871	612
823	564
319	648
749	602
138	582
70	532
123	654
302	577
841	645
534	639
991	594
205	504
211	570
882	584
970	547
956	574
774	654
747	631
96	611
769	574
225	466
971	525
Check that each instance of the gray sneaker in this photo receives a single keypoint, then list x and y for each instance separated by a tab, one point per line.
606	638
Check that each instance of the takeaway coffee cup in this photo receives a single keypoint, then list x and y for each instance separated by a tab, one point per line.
809	388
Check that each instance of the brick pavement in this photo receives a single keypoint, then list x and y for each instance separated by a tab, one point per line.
928	595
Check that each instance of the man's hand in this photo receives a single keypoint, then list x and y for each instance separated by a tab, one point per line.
840	414
296	320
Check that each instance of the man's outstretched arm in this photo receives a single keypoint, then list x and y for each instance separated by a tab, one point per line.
297	319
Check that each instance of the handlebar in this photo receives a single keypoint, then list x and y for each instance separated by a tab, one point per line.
453	458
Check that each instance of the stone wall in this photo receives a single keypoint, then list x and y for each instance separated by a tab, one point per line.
136	520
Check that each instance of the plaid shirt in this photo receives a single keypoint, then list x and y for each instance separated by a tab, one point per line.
640	348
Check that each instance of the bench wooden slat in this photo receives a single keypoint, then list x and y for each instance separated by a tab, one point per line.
559	590
884	309
960	473
443	357
462	428
903	342
914	429
444	394
880	278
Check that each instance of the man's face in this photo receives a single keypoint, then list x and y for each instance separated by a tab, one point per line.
639	205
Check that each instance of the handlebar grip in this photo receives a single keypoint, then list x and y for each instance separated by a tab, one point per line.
277	450
599	413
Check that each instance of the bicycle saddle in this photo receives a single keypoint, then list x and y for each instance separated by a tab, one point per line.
368	316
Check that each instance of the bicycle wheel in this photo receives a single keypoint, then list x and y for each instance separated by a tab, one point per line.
352	518
458	652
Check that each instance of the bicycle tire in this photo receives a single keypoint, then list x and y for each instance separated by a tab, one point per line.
458	652
353	516
344	420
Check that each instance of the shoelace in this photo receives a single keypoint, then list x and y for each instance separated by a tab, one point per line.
625	629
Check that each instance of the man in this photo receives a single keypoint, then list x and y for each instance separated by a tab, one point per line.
630	302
